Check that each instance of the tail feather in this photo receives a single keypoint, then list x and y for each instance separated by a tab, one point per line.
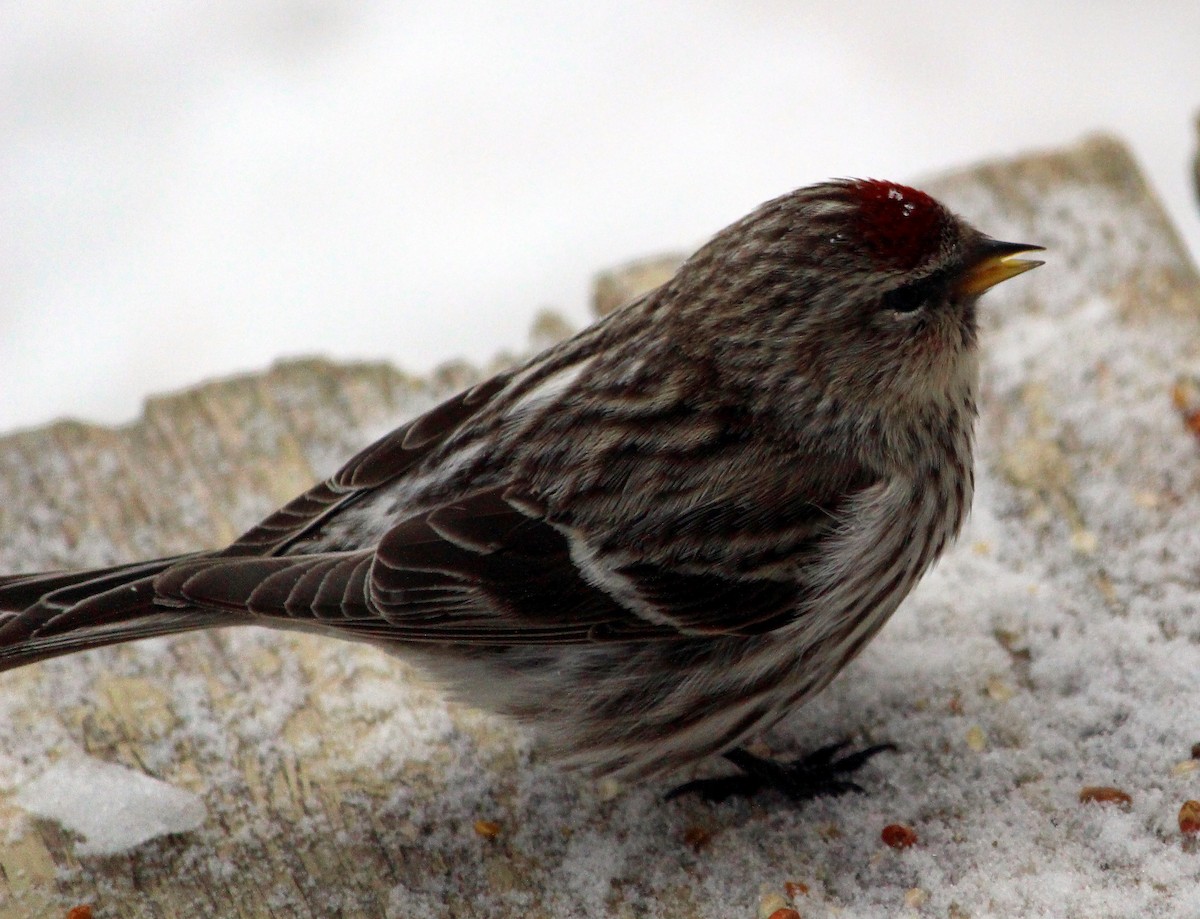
52	613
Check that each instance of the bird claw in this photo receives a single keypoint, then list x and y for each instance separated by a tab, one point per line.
820	773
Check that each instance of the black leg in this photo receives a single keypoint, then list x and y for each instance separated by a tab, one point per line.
819	773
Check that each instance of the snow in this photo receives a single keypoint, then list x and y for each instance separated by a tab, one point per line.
111	807
194	189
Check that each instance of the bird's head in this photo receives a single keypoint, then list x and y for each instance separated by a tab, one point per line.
859	287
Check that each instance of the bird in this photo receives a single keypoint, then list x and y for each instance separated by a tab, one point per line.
652	541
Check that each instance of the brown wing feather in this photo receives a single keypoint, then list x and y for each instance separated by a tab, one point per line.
328	588
48	614
383	461
491	568
498	566
482	570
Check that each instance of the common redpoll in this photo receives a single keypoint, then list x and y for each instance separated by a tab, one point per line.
654	539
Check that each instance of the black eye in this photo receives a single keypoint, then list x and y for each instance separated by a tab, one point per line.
910	297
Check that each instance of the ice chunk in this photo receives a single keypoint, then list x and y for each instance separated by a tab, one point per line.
113	808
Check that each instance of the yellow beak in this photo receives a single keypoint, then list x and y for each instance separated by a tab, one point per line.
994	263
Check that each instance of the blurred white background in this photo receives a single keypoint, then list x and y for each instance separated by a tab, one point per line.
189	189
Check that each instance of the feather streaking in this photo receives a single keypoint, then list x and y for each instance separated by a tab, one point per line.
652	540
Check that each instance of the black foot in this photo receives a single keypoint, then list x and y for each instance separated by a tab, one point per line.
819	773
